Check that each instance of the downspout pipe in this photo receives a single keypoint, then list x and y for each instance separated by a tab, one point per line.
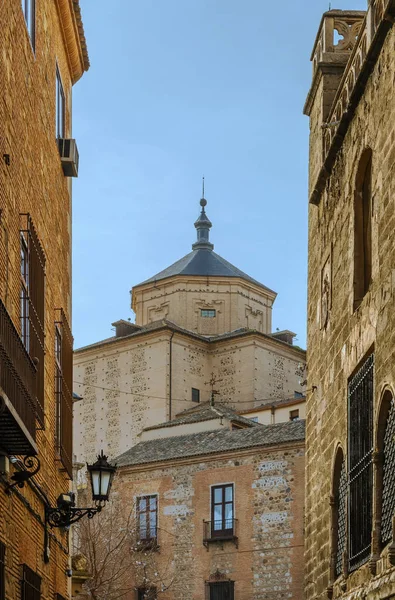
170	372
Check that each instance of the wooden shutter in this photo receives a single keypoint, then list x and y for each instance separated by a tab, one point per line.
66	395
36	292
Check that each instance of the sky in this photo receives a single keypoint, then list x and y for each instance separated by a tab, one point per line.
179	89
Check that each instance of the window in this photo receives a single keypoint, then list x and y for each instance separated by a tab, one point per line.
2	571
207	313
29	12
32	302
294	415
31	585
339	506
221	590
360	449
298	395
25	323
146	594
63	390
363	228
387	446
60	106
147	518
195	395
222	510
254	419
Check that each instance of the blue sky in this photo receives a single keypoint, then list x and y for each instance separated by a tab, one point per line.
178	89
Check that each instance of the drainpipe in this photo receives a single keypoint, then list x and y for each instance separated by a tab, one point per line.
170	371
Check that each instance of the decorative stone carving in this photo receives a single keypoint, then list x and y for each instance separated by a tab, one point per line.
349	32
158	312
254	318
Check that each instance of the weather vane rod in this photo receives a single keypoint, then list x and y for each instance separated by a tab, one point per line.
203	186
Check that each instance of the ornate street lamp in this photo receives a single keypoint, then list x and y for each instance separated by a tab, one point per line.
66	513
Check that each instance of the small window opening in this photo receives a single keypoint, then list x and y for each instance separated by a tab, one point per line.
363	228
195	395
207	314
294	415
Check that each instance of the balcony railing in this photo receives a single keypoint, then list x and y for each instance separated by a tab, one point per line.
18	400
220	531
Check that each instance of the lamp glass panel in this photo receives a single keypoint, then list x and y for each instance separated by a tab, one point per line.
95	482
105	482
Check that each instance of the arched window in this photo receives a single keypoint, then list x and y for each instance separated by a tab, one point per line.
386	447
339	514
363	228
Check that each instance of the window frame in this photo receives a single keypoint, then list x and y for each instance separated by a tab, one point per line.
31	584
29	15
208	313
194	390
147	511
63	374
224	531
227	592
60	106
294	415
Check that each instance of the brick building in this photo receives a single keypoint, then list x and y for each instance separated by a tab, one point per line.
350	447
220	499
201	324
43	53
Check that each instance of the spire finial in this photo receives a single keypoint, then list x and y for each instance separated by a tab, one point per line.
203	225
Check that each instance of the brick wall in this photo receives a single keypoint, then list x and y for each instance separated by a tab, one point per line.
34	183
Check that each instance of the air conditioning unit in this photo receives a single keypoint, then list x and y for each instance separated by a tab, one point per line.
68	156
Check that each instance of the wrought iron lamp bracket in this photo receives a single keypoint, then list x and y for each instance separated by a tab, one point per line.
64	517
31	466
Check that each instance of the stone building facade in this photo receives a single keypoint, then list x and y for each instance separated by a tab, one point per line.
202	325
350	480
226	508
43	53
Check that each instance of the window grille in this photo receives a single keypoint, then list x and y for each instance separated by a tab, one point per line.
31	585
2	571
360	448
221	590
32	303
388	491
63	390
341	502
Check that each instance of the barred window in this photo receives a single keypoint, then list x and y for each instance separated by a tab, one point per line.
221	590
339	511
387	444
360	467
32	302
31	584
2	571
63	390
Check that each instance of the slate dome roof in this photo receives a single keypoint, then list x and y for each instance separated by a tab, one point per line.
203	260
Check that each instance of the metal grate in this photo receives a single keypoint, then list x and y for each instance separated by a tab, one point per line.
341	520
221	590
388	492
63	392
2	571
360	448
31	585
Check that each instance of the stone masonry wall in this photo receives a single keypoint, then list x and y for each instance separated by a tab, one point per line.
335	350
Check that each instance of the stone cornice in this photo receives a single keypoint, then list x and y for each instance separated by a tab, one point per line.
73	35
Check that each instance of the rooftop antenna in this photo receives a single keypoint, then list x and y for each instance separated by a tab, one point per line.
203	187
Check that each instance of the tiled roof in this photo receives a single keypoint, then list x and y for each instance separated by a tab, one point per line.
205	412
274	402
211	442
166	324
